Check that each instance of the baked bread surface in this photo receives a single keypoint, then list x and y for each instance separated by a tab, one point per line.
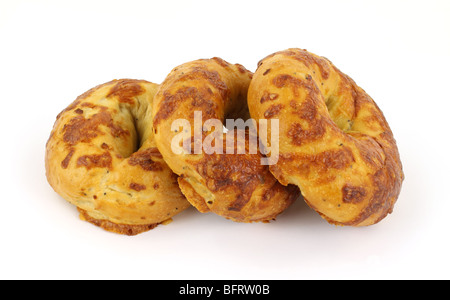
101	156
235	186
335	143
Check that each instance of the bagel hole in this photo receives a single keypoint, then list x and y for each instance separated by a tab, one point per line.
331	102
333	106
139	135
137	116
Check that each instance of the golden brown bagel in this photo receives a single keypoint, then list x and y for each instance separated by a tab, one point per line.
335	143
235	186
101	157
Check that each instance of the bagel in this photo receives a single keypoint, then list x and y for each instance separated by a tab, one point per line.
335	143
235	186
101	156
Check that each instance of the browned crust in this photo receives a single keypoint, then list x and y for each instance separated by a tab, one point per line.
305	57
273	110
66	161
365	154
126	90
235	186
143	158
103	160
268	97
200	99
137	187
83	96
90	161
82	130
239	174
124	229
194	198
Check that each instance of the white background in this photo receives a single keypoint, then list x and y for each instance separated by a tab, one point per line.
52	51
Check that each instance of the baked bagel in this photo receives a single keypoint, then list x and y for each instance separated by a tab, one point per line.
335	143
235	186
101	156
